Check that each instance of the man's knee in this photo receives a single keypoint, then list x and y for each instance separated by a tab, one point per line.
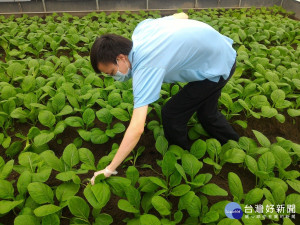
206	118
164	111
165	115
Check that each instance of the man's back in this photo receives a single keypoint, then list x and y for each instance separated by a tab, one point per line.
188	50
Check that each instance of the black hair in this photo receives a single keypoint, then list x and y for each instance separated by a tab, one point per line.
107	47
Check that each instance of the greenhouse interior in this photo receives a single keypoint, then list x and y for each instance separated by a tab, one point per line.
149	112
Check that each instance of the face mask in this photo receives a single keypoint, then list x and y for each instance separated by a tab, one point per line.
122	77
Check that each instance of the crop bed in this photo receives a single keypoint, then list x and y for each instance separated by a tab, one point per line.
61	122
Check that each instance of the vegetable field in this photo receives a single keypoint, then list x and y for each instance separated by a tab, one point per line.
61	122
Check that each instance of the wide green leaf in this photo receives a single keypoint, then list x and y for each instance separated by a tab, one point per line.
158	181
101	192
6	206
13	149
288	221
66	190
23	182
228	221
99	137
74	121
293	200
185	200
194	207
282	157
71	155
118	128
266	162
161	205
180	190
181	171
46	210
219	207
191	164
46	118
87	157
268	112
279	195
120	114
103	219
259	101
161	145
59	128
18	113
277	96
274	182
134	196
91	198
66	110
29	159
234	156
126	206
15	69
118	185
78	207
235	186
253	196
104	115
43	138
6	190
295	184
88	116
40	193
213	190
114	99
198	149
51	160
85	135
213	147
30	220
273	214
293	112
148	219
51	219
262	139
251	164
132	174
210	217
168	163
58	102
67	176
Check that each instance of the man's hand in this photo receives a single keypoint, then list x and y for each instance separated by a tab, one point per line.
181	15
97	173
106	173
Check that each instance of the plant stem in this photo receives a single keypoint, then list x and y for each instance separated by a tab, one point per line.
65	217
83	220
255	180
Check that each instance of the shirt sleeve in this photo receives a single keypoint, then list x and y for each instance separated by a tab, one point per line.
146	84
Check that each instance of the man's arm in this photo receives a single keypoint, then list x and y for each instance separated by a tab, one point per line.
131	137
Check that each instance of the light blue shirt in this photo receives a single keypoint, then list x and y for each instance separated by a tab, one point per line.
170	50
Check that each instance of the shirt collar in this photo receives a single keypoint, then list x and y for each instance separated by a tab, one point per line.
130	56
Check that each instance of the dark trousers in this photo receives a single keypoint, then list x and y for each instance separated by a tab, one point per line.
201	97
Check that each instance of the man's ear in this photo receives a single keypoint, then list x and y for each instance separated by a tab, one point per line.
121	56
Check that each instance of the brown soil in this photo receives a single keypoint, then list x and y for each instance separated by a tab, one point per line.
269	127
2	55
